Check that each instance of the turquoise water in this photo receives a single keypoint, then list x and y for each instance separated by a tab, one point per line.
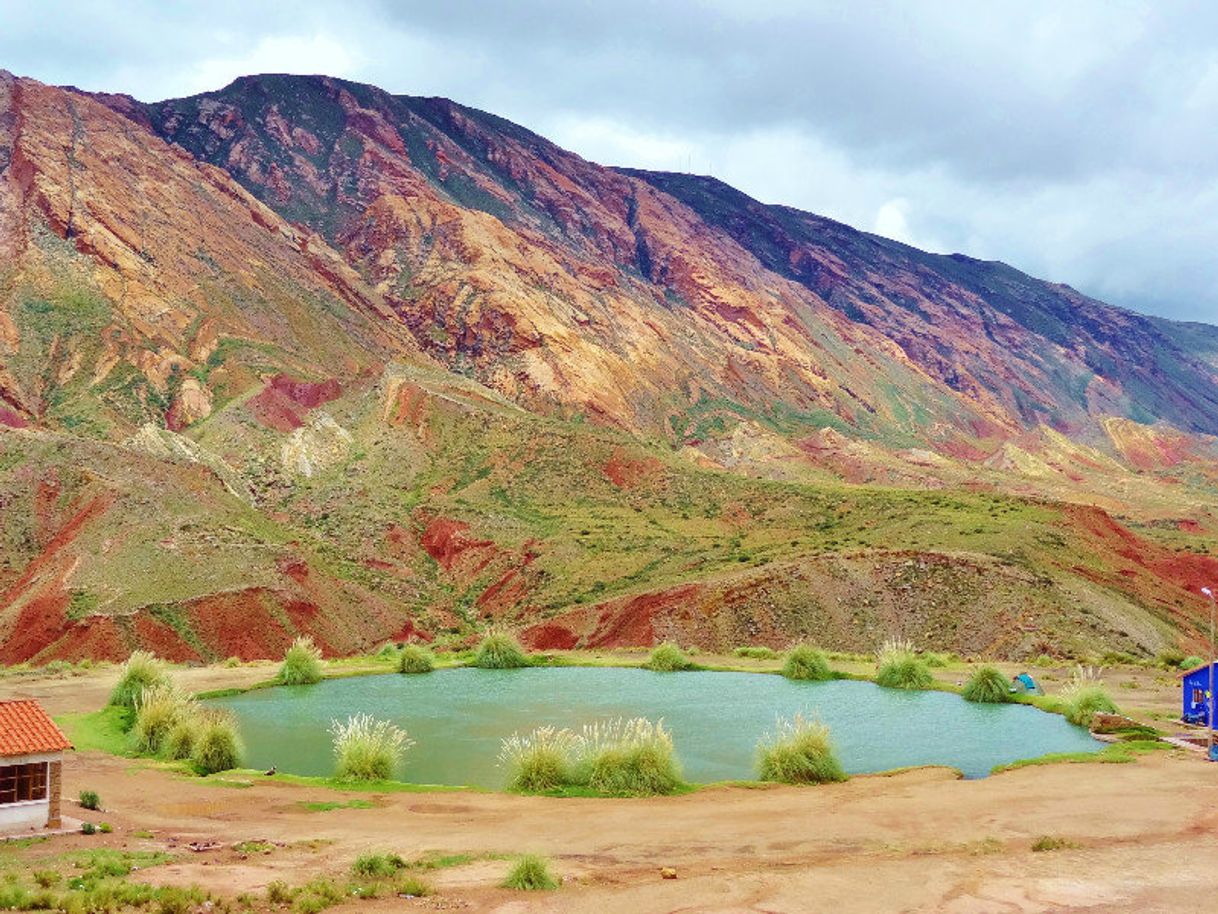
458	717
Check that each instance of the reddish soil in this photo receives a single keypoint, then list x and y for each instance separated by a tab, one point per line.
284	403
628	473
549	636
446	541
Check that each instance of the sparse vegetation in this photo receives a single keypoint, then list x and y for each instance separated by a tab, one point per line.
668	658
530	873
301	663
798	751
413	887
805	662
500	651
366	749
987	685
377	866
90	800
1052	843
899	667
414	658
141	673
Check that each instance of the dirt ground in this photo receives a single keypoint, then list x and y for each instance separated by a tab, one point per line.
1142	837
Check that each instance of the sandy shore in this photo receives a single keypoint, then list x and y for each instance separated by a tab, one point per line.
1143	836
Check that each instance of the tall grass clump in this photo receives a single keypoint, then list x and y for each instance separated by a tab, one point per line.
1084	696
628	757
414	658
807	663
301	663
756	652
215	745
668	658
366	749
798	751
500	651
899	667
141	673
158	711
530	873
987	685
620	757
539	761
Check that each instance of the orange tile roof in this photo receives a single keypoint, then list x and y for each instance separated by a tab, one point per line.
26	729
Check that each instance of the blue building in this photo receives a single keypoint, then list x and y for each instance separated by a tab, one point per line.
1194	694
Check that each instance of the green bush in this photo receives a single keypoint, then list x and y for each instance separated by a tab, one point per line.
898	667
539	761
377	866
216	745
987	685
798	751
301	663
278	893
500	651
413	887
1170	657
619	757
933	659
530	873
141	673
180	743
366	749
90	800
629	758
88	828
668	658
807	663
1191	662
1083	702
415	658
756	652
157	712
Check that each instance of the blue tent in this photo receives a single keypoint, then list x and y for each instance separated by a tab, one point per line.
1194	694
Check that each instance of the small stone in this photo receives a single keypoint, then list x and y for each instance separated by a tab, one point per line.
667	872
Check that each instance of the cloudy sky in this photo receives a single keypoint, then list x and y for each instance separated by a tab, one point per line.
1077	141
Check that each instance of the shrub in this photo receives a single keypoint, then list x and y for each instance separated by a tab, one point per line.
667	658
377	866
807	663
415	658
898	667
540	761
756	652
628	757
278	892
987	685
1084	702
90	800
301	663
217	746
414	887
1052	843
934	659
530	873
141	673
88	828
1170	657
366	749
798	751
157	711
500	651
621	757
180	743
1191	662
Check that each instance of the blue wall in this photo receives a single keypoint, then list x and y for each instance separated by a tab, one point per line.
1193	710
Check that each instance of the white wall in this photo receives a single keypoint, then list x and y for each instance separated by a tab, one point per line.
24	816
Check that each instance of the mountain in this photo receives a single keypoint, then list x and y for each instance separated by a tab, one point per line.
301	355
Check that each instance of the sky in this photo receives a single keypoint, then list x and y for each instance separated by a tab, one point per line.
1077	141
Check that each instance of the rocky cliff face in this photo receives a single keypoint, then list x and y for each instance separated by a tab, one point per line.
300	355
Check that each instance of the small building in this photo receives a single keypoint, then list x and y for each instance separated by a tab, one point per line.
1195	694
31	767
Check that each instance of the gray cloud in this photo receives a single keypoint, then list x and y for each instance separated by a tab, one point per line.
1072	140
